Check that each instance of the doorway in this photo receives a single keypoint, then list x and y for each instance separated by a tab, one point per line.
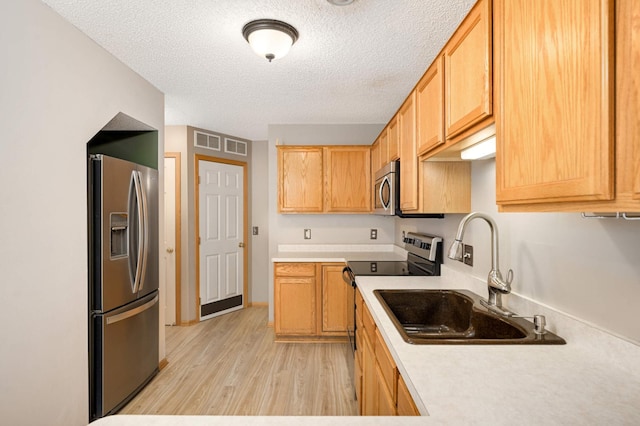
221	233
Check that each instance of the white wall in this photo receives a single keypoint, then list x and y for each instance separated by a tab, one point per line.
587	268
259	244
328	228
58	89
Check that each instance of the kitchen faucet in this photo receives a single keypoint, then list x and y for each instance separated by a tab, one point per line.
496	284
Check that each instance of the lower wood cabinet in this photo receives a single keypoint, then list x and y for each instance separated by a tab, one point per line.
380	389
310	300
295	298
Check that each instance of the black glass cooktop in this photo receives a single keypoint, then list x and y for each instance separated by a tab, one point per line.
391	268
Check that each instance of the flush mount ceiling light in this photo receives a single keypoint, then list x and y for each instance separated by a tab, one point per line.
269	38
340	2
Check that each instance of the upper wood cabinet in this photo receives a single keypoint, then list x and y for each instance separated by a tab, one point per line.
468	71
376	156
384	150
408	157
330	179
392	139
300	179
556	149
348	179
430	108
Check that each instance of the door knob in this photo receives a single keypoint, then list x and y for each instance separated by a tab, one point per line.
241	244
169	250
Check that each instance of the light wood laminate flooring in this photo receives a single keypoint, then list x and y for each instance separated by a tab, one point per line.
230	365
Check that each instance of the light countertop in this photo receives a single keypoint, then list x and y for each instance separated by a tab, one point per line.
593	379
338	253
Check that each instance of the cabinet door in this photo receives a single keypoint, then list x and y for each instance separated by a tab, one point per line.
348	177
554	116
628	101
300	173
392	139
376	159
385	404
335	297
295	298
408	156
430	108
406	406
468	71
384	151
369	381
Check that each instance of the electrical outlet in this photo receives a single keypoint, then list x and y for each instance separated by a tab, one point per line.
374	234
307	234
467	254
255	230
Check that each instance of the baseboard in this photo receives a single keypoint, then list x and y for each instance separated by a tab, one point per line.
311	339
188	323
252	304
162	364
270	324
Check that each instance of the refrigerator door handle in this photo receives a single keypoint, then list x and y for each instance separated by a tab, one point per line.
137	202
145	230
133	312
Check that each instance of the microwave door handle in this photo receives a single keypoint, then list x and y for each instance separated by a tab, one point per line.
386	182
380	192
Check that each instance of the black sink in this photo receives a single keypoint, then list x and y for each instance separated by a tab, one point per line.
455	317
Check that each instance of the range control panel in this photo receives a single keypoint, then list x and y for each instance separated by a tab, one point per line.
424	245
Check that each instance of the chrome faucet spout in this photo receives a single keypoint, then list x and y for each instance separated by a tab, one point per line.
496	284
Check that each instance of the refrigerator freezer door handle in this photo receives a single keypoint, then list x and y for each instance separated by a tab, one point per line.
133	312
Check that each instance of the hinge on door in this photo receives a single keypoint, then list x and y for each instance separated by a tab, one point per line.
198	240
198	180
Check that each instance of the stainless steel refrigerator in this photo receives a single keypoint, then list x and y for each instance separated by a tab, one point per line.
123	281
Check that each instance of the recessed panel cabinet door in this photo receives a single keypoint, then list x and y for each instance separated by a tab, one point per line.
555	127
300	187
408	156
468	71
430	108
348	177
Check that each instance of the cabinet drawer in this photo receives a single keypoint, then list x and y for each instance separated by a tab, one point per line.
387	365
295	269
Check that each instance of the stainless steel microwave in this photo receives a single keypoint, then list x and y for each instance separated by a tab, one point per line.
386	194
386	189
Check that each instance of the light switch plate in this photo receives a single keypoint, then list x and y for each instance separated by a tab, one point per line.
307	234
255	230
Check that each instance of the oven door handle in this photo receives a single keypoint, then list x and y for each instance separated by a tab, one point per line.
348	277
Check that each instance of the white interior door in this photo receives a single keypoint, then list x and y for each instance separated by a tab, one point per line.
221	199
170	239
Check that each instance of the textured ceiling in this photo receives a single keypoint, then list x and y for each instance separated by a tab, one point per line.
351	64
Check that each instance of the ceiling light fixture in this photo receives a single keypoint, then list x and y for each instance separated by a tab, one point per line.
340	2
480	151
269	38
